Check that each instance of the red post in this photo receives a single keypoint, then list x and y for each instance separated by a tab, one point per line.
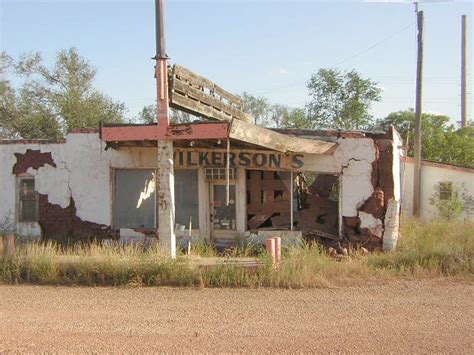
277	249
270	246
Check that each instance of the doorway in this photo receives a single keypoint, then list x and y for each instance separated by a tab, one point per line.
223	216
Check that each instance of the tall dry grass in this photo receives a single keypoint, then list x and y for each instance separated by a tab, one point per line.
425	250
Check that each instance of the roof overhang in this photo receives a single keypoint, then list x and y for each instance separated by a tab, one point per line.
235	130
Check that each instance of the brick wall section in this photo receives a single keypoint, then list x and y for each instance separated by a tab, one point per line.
376	204
62	224
57	223
31	159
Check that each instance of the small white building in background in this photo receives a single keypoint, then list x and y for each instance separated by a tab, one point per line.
438	181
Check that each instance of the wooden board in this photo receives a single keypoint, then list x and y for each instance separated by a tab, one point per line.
199	96
264	137
257	220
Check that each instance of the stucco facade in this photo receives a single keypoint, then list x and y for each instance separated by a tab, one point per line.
77	175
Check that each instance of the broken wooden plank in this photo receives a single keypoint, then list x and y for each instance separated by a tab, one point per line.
185	84
180	88
269	207
199	81
320	234
264	137
257	220
283	219
197	108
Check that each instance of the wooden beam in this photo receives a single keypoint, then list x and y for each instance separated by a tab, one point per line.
199	96
199	81
264	137
180	88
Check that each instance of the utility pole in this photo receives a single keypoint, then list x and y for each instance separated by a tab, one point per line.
418	113
165	170
463	71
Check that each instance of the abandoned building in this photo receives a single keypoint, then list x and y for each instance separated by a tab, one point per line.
83	187
231	180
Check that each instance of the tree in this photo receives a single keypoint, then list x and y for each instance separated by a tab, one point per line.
441	141
257	107
297	118
148	115
7	97
55	99
340	100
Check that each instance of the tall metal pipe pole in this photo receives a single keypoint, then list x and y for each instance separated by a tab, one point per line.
463	72
161	67
165	169
418	114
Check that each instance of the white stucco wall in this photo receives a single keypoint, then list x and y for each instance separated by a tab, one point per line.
83	172
431	176
8	185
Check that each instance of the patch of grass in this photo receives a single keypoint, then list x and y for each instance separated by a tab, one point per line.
439	248
425	250
94	265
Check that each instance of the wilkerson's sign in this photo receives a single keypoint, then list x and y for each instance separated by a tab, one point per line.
251	159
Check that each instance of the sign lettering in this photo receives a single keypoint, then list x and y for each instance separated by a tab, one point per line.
252	159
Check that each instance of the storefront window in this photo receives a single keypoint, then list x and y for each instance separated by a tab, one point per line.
134	202
186	197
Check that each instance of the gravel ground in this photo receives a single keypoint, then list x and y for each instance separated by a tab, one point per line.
404	316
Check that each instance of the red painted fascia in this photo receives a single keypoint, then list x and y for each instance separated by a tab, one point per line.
129	133
188	131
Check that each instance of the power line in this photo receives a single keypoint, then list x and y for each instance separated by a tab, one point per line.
376	44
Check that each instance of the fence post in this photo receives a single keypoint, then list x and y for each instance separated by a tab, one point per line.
277	249
270	246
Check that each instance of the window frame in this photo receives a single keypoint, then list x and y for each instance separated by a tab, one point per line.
446	191
20	198
114	197
113	186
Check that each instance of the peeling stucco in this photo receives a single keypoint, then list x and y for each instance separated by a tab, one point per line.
356	186
79	170
374	225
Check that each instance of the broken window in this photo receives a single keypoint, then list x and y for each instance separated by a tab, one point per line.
445	190
28	199
268	199
317	198
135	200
186	197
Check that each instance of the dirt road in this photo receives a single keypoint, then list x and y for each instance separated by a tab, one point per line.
415	316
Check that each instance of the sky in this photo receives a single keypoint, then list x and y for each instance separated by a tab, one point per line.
265	47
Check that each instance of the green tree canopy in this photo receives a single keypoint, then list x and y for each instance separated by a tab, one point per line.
148	115
441	141
257	107
54	99
340	100
7	96
271	115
